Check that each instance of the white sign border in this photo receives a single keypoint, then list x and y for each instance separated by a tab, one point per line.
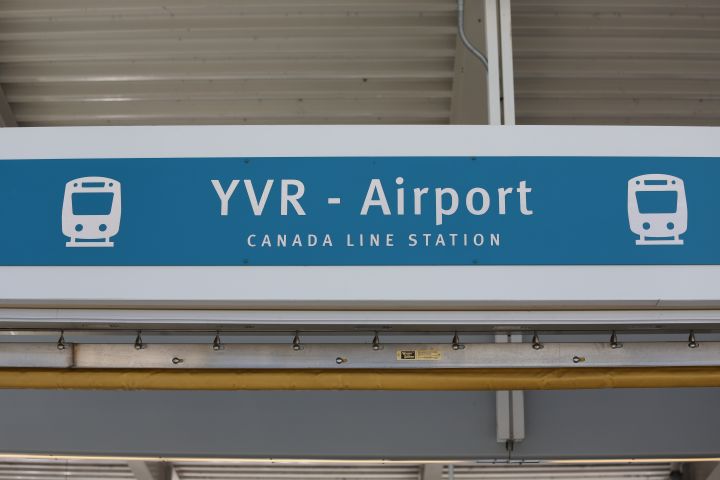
464	287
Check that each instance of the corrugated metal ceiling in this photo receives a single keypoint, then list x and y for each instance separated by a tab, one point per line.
25	469
194	471
56	469
659	471
635	62
99	62
103	62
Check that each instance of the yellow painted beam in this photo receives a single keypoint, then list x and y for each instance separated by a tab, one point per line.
425	379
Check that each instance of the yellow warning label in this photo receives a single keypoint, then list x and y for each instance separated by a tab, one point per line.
418	355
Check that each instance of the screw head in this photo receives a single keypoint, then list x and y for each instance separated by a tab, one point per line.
456	345
139	345
536	344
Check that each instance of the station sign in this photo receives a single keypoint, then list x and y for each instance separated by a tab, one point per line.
351	210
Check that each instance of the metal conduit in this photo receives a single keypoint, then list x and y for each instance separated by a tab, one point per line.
461	32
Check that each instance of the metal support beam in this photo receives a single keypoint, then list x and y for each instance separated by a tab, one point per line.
509	408
359	356
7	117
506	55
490	75
493	59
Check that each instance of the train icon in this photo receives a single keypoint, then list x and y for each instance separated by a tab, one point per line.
657	209
91	211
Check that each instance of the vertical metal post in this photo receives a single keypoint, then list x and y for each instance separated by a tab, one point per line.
509	407
506	53
493	59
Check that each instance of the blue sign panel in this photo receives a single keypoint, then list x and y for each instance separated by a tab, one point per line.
361	211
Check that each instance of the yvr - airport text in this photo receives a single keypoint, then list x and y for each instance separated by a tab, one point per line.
442	201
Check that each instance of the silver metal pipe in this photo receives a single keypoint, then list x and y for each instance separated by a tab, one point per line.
461	32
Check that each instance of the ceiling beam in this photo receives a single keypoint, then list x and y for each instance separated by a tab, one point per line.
7	117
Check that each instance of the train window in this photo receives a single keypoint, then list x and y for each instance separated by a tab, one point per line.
97	203
657	201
